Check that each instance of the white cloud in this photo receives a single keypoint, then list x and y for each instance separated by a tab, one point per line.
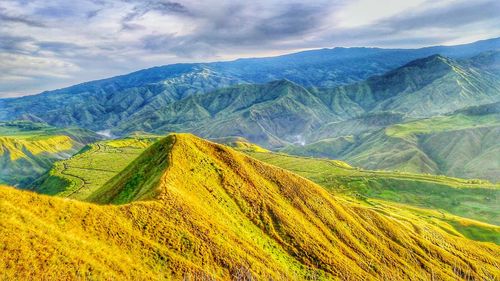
55	43
364	12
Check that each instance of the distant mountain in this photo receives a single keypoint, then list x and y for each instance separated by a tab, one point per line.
271	114
105	104
422	88
488	61
463	144
27	150
281	112
192	209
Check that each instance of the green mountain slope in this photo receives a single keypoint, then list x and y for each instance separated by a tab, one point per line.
462	144
78	176
207	211
28	149
271	114
476	200
423	88
281	112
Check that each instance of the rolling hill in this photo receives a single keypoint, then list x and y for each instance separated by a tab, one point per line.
81	175
244	219
462	144
28	149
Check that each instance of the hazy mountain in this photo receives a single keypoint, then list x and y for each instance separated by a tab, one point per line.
281	112
104	104
272	114
422	88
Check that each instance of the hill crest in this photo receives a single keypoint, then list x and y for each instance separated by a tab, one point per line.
218	212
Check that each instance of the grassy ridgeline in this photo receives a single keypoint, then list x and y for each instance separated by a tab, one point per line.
215	212
80	176
468	198
455	199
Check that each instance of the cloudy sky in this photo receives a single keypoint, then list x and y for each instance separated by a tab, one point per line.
47	44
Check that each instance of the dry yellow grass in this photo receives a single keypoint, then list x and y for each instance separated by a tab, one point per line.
196	209
18	147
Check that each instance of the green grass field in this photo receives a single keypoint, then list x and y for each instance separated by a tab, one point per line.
78	176
442	123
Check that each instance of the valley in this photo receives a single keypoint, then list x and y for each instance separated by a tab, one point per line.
93	166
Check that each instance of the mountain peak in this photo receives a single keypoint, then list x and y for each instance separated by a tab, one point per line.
284	83
430	61
209	191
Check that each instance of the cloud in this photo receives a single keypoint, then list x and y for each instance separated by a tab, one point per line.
14	44
17	19
452	16
141	8
56	43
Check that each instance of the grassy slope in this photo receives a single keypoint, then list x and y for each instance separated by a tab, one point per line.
458	145
461	145
271	114
215	212
477	201
442	123
28	149
78	176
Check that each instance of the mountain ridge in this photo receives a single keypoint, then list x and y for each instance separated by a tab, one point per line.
113	100
244	217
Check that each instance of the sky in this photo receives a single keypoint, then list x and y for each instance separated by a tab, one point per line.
49	44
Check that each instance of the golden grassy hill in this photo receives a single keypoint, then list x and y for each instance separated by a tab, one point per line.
189	208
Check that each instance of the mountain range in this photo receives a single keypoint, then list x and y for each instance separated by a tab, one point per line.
330	102
104	104
330	164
